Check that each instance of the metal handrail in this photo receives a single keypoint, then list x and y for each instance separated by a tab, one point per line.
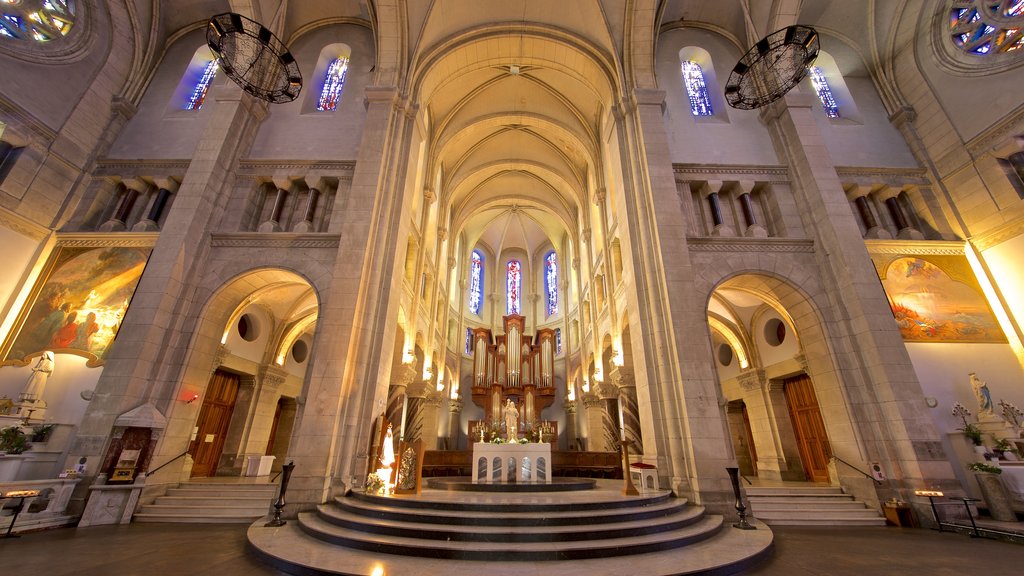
154	471
869	476
747	480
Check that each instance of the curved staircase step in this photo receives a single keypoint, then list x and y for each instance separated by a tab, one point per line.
319	528
537	531
288	548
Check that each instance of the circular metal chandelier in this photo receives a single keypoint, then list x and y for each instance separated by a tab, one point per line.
772	67
254	58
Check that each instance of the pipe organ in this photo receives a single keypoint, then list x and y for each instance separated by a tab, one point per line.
514	365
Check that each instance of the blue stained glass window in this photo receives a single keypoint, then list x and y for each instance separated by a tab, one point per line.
469	340
551	281
995	28
558	341
696	88
476	282
334	83
514	283
195	102
828	102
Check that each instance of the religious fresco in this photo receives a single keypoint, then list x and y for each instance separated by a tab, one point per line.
938	300
77	305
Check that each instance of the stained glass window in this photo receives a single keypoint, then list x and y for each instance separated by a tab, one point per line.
195	102
551	281
476	282
696	88
558	340
469	340
39	21
828	102
514	283
997	27
334	83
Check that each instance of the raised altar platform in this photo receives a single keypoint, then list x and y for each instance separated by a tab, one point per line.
512	462
466	484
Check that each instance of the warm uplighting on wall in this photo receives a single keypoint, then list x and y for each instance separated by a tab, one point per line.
586	385
454	394
980	269
571	392
734	342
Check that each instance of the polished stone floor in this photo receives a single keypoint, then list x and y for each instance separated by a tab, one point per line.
220	550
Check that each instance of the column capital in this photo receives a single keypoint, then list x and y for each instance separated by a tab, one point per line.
570	406
751	379
403	376
711	187
167	183
745	186
272	376
622	377
599	196
429	195
455	405
592	401
903	115
442	234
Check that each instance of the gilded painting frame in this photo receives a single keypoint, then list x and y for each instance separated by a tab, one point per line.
77	303
934	295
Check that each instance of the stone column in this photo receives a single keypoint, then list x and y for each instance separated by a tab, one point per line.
144	362
165	188
274	223
570	425
454	422
119	220
600	427
905	230
430	411
861	198
753	230
396	407
312	197
710	192
629	413
873	386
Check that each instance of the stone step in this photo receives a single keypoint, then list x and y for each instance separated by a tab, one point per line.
289	549
752	491
519	515
323	530
531	532
762	505
232	500
194	519
252	511
551	505
212	492
817	521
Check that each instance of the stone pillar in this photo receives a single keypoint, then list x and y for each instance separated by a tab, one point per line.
150	340
430	411
118	221
905	230
165	187
753	230
629	413
274	223
861	199
600	427
710	191
570	425
312	197
454	422
874	386
396	407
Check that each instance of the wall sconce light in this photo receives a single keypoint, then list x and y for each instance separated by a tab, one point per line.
192	398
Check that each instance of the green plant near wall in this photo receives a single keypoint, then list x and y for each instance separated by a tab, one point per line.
982	467
13	440
972	432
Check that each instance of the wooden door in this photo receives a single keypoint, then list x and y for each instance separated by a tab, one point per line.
212	425
809	427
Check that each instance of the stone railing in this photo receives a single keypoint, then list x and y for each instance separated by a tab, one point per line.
47	510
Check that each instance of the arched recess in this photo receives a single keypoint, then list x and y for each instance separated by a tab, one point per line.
787	441
240	389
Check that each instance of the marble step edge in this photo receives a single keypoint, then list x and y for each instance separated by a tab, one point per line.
803	490
213	501
842	505
194	519
424	501
819	513
288	549
534	532
509	514
827	522
317	528
203	510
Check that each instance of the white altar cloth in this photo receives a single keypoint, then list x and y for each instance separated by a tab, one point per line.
1013	478
531	462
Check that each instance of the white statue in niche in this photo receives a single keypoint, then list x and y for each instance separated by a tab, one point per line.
984	398
511	414
37	381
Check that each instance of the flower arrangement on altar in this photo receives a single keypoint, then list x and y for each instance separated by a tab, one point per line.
374	483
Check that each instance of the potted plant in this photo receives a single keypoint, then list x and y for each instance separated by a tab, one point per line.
41	432
973	433
983	468
1001	446
13	440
